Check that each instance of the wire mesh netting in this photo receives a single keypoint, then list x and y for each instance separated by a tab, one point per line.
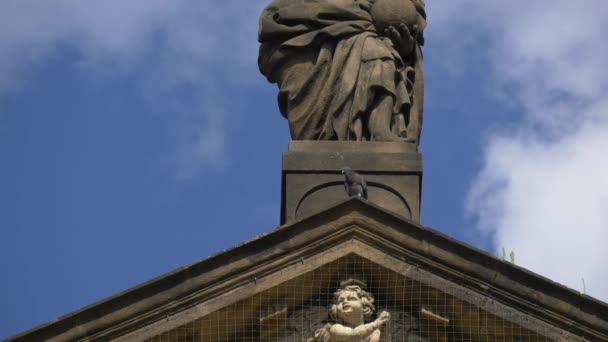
354	299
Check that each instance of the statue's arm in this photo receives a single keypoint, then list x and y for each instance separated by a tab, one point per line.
344	333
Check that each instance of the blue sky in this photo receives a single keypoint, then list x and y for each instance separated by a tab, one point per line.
139	137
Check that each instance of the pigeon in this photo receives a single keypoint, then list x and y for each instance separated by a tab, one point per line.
354	183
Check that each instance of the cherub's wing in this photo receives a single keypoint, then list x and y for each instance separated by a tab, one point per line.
321	335
404	327
307	323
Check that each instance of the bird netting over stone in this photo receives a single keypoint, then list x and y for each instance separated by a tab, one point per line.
355	299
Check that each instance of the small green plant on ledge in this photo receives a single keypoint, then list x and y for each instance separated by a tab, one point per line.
511	256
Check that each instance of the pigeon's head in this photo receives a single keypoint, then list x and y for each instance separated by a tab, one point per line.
346	170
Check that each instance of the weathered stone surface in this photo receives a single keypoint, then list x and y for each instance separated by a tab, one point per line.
312	180
346	69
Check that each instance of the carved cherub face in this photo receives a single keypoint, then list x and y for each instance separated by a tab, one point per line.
349	304
352	306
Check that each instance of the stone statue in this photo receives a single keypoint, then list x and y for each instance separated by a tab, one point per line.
346	69
351	318
352	308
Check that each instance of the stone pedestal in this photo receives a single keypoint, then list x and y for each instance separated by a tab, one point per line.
312	182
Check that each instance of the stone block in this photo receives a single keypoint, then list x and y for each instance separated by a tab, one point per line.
312	182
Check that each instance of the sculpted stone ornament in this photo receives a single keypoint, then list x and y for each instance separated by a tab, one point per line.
352	308
350	318
346	69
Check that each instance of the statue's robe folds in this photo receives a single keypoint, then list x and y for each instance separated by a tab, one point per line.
331	66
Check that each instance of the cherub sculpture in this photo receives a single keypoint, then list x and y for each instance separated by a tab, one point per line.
352	312
346	69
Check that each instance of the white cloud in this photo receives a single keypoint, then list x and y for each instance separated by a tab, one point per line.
106	32
211	51
200	45
543	188
549	203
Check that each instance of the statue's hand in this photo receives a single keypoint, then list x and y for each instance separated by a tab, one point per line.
366	5
403	39
384	318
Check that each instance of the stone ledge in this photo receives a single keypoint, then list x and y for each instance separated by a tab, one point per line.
350	146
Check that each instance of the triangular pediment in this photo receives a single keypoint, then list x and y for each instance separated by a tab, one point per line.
270	288
423	306
292	302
